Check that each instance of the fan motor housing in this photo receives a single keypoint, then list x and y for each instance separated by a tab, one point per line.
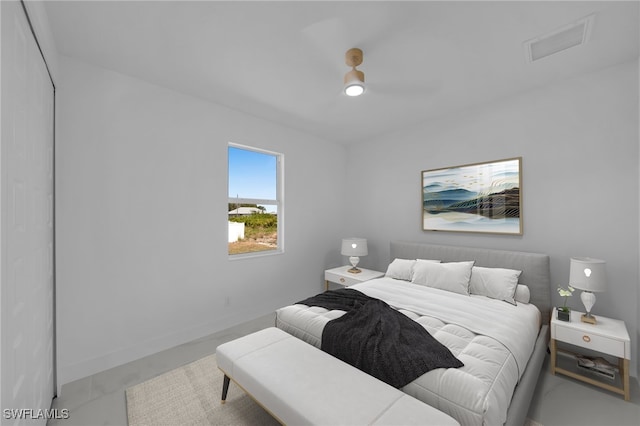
354	75
353	57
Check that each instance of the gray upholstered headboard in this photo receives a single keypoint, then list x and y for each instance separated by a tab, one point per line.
534	266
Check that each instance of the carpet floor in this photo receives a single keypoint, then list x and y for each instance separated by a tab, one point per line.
190	395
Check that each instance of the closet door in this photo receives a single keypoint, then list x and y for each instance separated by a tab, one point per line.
26	226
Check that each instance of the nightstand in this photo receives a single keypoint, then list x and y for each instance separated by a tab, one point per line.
340	276
608	336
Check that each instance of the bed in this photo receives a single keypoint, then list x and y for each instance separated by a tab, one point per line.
501	343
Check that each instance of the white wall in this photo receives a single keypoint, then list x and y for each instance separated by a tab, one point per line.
142	219
579	143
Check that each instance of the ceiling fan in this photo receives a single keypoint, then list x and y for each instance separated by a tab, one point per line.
378	34
354	79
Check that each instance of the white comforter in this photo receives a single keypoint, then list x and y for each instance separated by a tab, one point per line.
492	338
516	327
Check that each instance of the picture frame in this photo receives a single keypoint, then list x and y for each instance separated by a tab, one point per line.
479	197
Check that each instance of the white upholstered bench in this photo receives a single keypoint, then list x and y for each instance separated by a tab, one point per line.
300	384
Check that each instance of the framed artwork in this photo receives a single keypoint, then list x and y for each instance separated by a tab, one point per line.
479	197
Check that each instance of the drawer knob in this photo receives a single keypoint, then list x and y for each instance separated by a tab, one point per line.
586	338
341	280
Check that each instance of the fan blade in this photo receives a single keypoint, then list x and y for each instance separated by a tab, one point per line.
404	89
328	37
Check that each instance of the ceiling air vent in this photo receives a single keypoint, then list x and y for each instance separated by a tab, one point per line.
574	34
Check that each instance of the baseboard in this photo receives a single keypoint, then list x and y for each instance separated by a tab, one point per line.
80	370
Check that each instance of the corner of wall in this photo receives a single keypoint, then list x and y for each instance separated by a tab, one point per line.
40	22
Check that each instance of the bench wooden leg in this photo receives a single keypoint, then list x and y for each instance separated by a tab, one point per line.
225	388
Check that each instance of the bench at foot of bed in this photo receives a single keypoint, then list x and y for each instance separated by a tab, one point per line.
300	384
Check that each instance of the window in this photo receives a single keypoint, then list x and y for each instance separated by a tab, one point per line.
255	201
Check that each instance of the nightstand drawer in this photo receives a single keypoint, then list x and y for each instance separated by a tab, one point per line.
339	279
591	341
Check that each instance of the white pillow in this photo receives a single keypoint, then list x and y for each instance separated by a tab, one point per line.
400	269
523	295
450	276
496	283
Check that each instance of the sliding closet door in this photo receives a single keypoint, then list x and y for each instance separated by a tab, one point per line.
26	230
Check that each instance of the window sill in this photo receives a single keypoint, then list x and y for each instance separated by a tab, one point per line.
254	254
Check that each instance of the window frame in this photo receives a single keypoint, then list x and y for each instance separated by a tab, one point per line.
278	202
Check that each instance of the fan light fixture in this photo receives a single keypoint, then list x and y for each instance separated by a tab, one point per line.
354	79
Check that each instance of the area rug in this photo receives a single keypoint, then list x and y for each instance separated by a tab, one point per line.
190	395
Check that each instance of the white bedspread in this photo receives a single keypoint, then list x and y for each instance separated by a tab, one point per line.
492	338
516	327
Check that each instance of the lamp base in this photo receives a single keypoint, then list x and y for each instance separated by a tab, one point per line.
588	318
354	265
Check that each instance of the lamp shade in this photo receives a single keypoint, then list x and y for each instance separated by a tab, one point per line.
588	274
354	247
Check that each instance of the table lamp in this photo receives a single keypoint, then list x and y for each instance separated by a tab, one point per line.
589	275
354	247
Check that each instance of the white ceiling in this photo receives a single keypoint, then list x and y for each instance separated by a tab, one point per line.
284	61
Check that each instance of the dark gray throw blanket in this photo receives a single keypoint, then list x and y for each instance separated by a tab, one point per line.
378	339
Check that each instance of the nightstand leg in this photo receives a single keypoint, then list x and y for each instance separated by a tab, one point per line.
326	285
624	372
554	352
